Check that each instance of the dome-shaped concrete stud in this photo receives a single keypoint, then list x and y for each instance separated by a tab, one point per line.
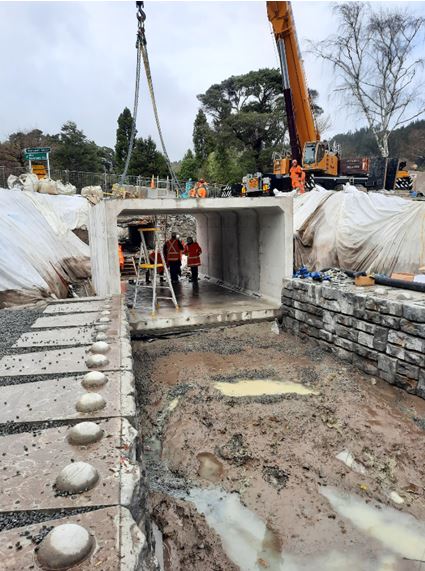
101	336
104	319
90	402
105	312
100	347
97	360
65	546
77	477
94	379
101	327
84	433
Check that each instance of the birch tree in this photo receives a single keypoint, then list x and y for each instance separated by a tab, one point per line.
377	65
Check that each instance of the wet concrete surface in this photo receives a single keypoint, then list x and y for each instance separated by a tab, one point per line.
204	303
276	454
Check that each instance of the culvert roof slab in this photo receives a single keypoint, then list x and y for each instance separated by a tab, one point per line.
57	361
32	461
56	399
118	541
66	320
83	305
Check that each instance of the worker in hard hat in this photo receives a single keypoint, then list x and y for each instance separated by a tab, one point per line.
297	177
121	257
201	191
173	249
193	252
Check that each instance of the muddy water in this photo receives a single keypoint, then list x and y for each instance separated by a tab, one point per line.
257	387
253	546
209	467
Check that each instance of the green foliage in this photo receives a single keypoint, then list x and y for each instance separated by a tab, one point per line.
202	137
74	151
125	124
188	166
12	150
146	160
248	125
407	143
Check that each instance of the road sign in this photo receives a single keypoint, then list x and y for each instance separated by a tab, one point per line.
37	150
35	156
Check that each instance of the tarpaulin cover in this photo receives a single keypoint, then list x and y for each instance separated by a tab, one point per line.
40	255
359	231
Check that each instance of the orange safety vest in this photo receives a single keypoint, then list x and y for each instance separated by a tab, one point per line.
193	251
173	250
297	177
202	192
120	257
192	193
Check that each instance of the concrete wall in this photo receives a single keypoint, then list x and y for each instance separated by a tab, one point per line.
246	242
379	330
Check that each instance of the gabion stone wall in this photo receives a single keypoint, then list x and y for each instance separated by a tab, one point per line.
379	330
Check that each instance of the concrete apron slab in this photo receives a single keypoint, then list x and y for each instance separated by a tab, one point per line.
119	542
31	462
56	399
56	361
80	307
66	320
74	336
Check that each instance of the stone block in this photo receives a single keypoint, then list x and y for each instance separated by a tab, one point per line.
366	353
345	302
365	339
390	321
415	358
344	343
329	292
388	377
342	353
365	365
330	304
364	326
397	338
345	320
414	312
420	389
346	332
415	329
406	383
387	364
310	308
287	284
380	338
391	307
395	351
326	335
408	370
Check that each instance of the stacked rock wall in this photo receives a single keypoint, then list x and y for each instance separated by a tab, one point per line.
379	330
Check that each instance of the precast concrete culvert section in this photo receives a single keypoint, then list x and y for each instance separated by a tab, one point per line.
263	451
241	269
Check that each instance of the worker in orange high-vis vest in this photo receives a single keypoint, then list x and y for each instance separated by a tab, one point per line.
173	249
297	177
193	252
120	257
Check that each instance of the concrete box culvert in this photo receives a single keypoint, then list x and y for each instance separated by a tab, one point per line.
246	242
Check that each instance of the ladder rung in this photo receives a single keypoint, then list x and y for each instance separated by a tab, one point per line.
149	229
151	266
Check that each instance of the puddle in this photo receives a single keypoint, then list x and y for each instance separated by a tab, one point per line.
258	387
399	532
251	545
210	468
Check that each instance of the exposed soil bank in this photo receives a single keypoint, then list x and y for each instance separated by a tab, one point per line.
277	452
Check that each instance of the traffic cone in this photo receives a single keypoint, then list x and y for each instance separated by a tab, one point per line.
153	182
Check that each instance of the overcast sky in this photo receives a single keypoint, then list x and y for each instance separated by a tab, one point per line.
75	61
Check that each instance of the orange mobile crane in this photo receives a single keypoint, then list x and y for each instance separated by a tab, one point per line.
321	163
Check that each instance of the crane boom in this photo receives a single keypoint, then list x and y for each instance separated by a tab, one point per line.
301	123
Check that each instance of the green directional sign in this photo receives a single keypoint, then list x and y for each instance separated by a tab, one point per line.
37	150
35	156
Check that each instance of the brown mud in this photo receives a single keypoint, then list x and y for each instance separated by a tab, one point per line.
277	452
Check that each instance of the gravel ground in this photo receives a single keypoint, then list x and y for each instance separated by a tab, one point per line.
14	322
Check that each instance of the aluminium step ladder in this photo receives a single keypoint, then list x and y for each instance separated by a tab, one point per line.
146	265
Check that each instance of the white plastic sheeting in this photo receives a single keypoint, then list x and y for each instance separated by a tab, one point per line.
359	231
40	254
72	210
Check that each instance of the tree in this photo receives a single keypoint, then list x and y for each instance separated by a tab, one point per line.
248	123
202	137
12	150
189	166
146	160
74	151
125	124
373	56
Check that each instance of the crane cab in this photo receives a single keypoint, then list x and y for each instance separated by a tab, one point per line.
318	158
